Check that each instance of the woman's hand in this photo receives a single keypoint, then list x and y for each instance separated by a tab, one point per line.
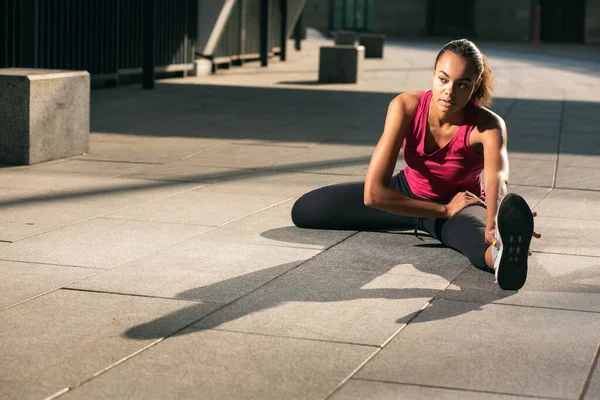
458	202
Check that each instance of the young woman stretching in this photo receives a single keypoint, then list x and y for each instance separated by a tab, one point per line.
448	138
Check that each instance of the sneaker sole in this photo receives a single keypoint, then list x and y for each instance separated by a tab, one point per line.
515	227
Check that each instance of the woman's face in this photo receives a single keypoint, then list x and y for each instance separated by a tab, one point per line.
454	81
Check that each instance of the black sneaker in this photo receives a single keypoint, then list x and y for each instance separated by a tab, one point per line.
514	229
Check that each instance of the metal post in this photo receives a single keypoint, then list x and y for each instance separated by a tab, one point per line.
331	17
265	31
243	18
283	36
298	32
149	47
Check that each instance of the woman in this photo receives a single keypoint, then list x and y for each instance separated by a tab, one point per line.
448	138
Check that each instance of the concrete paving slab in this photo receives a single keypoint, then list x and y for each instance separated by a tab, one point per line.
372	251
571	204
524	126
567	236
580	144
236	155
20	390
585	178
99	243
68	336
580	125
274	182
554	281
182	171
532	147
446	347
228	365
531	172
329	158
532	194
243	129
39	182
198	207
201	270
23	281
274	227
371	296
358	389
27	213
363	307
156	151
304	134
79	167
582	161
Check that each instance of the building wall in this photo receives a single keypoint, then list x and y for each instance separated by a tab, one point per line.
507	20
404	18
316	15
510	20
592	22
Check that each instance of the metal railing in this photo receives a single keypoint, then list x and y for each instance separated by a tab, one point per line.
241	38
104	37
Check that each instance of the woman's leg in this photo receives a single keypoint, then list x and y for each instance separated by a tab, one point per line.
465	232
342	207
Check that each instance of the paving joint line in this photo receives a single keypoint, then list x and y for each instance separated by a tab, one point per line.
105	214
522	306
117	363
115	161
101	270
590	376
290	337
565	254
394	335
40	295
154	222
131	294
560	134
118	161
53	264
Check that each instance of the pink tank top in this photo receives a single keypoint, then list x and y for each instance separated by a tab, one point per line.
455	167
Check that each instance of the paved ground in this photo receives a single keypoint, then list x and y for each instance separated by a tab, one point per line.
164	263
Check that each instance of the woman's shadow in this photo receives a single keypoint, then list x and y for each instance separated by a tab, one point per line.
367	265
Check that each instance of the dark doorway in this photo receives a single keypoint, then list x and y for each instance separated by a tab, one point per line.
452	19
562	21
351	14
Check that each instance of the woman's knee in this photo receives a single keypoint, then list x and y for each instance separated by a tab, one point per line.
303	213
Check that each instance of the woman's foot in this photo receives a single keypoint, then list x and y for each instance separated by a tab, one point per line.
514	230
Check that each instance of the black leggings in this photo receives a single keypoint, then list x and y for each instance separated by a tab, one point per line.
342	207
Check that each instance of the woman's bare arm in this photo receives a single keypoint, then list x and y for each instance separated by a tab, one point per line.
495	169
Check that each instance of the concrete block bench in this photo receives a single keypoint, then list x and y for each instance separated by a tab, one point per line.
345	38
341	64
44	115
373	43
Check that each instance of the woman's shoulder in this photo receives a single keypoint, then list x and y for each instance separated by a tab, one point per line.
487	119
407	102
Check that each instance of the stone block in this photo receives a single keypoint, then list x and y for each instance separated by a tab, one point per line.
341	64
44	115
345	38
373	43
